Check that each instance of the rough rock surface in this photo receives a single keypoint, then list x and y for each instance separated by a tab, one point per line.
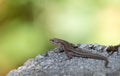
54	63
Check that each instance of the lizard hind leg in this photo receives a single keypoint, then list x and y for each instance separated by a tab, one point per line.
106	64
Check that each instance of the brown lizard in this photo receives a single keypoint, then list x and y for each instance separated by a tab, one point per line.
111	49
71	50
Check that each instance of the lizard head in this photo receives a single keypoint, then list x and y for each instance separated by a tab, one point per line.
56	41
62	43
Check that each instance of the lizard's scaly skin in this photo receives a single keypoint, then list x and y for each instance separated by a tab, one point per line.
71	51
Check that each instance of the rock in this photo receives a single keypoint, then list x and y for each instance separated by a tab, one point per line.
56	64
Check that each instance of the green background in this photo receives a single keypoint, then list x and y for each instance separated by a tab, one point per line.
27	25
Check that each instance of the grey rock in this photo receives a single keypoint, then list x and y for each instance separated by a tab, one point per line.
54	63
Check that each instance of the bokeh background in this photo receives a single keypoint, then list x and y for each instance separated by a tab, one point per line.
27	25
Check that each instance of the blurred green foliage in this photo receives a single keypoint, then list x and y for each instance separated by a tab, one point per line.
27	25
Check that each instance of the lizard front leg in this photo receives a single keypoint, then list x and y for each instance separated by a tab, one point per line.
69	54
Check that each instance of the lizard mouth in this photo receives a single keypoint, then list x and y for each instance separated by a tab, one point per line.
53	41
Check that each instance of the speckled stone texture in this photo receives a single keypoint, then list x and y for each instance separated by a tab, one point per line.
54	63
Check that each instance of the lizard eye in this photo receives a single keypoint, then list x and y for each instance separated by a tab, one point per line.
52	40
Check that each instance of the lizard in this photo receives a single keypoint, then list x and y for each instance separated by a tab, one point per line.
111	49
72	50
